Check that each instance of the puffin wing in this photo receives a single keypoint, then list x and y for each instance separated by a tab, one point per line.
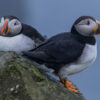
62	48
32	33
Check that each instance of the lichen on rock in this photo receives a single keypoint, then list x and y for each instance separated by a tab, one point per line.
21	80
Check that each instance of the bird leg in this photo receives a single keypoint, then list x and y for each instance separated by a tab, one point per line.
69	85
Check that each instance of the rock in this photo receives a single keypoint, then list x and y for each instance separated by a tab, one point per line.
20	80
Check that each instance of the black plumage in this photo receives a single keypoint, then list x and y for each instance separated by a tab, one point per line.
10	17
61	49
27	30
32	33
70	52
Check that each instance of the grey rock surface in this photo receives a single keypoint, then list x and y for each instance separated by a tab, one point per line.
21	80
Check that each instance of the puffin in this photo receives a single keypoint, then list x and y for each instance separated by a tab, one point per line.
71	52
16	36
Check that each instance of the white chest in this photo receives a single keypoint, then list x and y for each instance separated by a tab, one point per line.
89	54
87	58
17	43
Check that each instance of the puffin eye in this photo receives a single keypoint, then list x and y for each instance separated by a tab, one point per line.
15	23
88	22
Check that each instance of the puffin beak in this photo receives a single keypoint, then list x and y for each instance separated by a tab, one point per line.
5	28
97	29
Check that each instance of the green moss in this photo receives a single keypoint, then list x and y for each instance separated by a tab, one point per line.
9	79
20	80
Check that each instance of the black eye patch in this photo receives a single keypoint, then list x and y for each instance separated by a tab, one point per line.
15	24
88	22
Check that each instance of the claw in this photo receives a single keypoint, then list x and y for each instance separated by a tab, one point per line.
69	86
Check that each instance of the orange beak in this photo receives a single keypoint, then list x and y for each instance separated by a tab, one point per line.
96	30
98	22
4	27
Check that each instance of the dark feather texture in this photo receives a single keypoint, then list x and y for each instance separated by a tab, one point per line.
60	49
32	33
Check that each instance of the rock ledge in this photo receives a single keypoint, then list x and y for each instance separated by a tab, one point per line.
20	80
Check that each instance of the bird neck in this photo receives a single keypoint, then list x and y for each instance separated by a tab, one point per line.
83	39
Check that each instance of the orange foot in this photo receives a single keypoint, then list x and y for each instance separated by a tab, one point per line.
69	85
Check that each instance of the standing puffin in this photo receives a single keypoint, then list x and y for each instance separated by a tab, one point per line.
70	52
16	36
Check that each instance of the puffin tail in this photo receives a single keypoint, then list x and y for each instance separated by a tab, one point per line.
33	56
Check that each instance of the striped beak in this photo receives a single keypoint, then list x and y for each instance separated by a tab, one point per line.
97	29
5	28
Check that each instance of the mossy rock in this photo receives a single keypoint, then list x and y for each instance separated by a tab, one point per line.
20	80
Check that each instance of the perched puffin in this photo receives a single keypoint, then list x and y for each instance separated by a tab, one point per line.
16	36
70	52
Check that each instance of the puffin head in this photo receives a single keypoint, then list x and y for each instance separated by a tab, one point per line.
86	26
10	26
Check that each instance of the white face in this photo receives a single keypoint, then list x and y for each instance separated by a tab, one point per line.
85	27
14	25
